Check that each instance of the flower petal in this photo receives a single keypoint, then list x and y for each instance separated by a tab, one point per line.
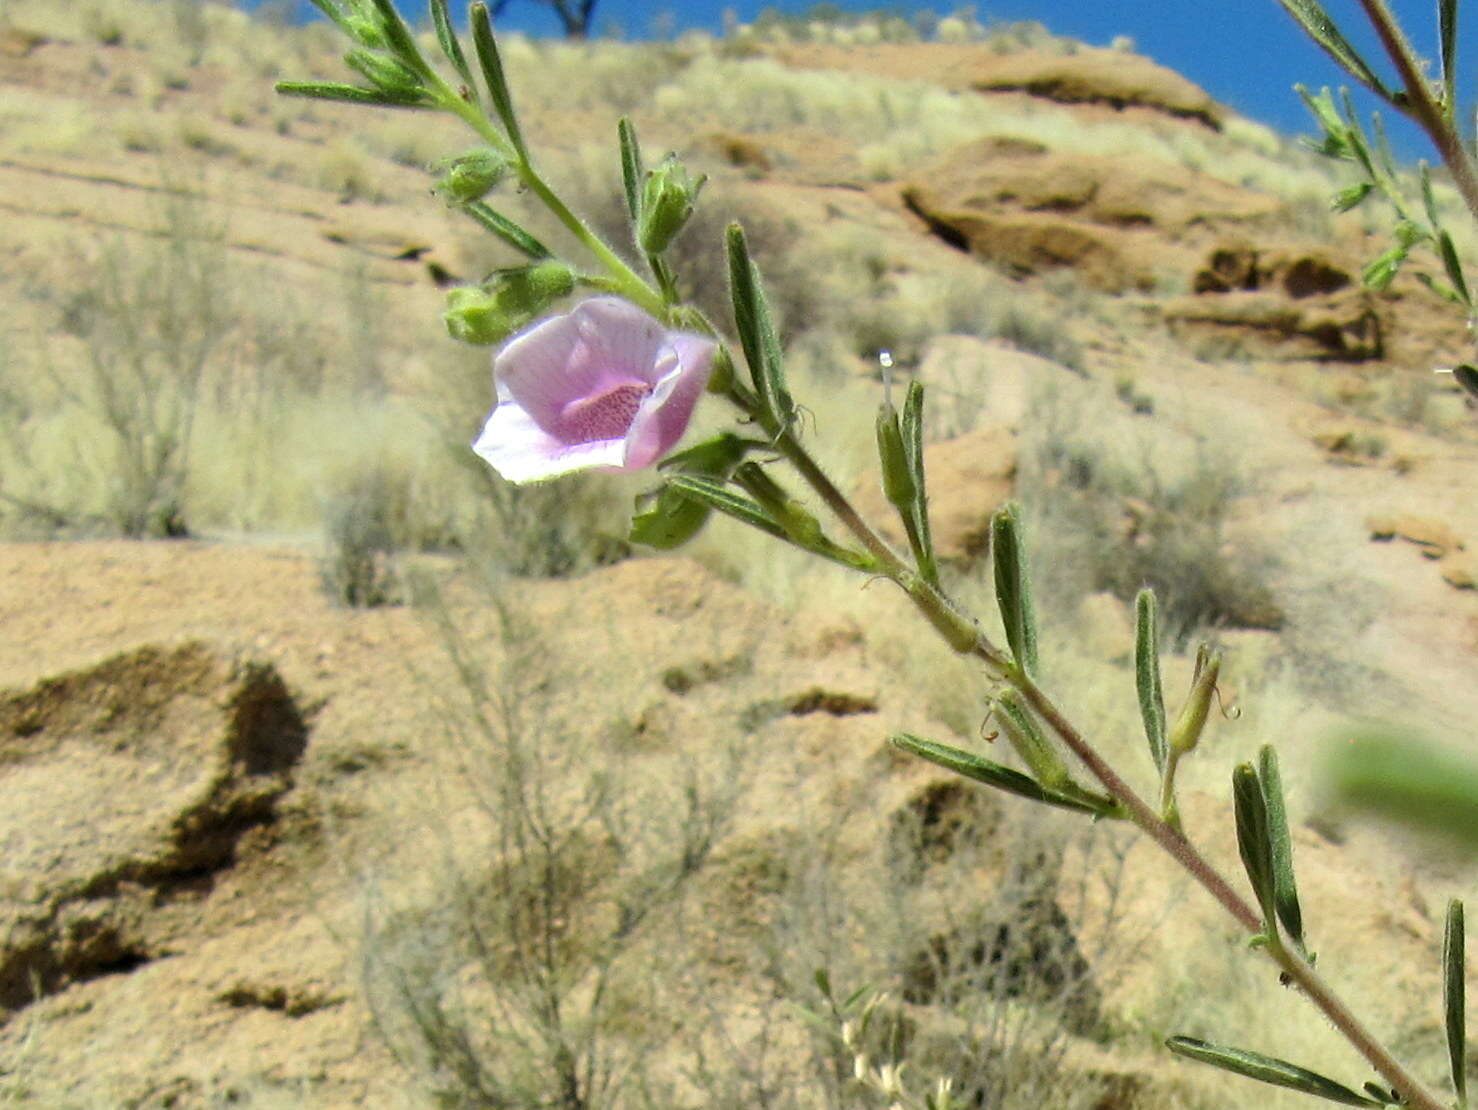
663	417
620	336
517	448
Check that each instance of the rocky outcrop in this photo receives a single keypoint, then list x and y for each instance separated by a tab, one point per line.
1114	221
128	788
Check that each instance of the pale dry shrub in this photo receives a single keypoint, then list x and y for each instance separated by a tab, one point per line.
523	979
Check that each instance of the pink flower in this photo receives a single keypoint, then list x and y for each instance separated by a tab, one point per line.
604	385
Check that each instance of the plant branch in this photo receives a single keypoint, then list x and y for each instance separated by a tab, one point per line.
1190	858
1420	104
627	283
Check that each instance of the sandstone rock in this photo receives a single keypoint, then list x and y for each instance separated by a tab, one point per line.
127	785
1110	218
1109	78
1296	274
1434	537
1460	571
743	151
1343	326
1089	76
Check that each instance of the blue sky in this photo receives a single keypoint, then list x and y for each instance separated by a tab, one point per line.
1246	53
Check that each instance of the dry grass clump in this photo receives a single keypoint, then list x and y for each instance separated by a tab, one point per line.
1117	510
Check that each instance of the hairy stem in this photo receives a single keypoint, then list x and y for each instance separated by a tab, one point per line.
934	605
1200	868
1422	106
627	283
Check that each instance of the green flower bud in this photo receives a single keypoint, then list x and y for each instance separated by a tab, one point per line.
506	302
898	483
667	202
1192	721
470	176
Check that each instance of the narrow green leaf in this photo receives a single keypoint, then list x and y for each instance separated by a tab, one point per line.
718	495
451	46
992	774
1147	676
823	982
756	327
506	230
669	517
1013	586
1267	1069
1252	840
348	94
911	427
1285	891
1447	52
632	174
492	73
1454	995
1453	266
1315	21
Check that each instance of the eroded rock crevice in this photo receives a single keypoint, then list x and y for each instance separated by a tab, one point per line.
134	783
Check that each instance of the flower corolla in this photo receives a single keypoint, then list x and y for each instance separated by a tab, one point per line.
604	386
